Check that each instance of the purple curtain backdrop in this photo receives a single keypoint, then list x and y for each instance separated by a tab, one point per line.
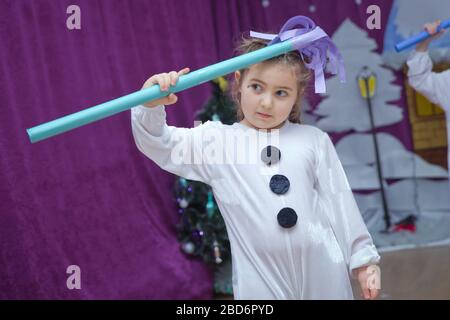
88	197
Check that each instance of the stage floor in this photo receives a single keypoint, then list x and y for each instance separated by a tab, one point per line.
417	273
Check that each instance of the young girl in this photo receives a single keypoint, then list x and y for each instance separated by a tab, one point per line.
295	230
435	86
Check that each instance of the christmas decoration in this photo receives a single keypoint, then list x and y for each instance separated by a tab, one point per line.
201	231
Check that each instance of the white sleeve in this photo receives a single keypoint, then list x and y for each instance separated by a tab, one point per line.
432	85
176	150
341	208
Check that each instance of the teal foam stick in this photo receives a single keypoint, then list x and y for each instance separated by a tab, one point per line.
101	111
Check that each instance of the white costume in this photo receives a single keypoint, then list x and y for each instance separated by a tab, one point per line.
311	259
435	86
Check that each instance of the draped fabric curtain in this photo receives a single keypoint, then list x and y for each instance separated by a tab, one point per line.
88	197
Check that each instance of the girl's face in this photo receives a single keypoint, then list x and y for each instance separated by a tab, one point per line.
268	93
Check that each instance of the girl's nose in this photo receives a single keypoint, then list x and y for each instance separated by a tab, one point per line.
266	101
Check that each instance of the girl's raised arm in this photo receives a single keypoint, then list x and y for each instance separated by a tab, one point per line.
431	84
177	150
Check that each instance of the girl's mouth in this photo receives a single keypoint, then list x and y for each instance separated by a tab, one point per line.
263	115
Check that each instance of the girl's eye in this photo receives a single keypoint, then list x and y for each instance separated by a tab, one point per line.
282	93
255	86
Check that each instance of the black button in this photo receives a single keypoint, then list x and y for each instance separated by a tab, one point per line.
287	217
270	155
279	184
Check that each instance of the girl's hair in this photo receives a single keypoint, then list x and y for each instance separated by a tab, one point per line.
291	58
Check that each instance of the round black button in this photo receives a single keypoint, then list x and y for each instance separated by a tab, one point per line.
287	217
270	155
279	184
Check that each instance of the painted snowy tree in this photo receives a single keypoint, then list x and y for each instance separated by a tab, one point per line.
358	51
343	110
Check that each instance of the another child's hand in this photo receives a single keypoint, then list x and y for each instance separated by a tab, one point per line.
369	280
431	28
165	80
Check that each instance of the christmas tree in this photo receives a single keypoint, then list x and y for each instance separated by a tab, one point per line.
201	231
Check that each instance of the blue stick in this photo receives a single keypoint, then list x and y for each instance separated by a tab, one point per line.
420	37
78	119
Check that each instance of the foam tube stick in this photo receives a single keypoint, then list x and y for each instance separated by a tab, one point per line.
310	40
419	37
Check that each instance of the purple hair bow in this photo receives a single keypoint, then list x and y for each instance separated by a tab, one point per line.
314	44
